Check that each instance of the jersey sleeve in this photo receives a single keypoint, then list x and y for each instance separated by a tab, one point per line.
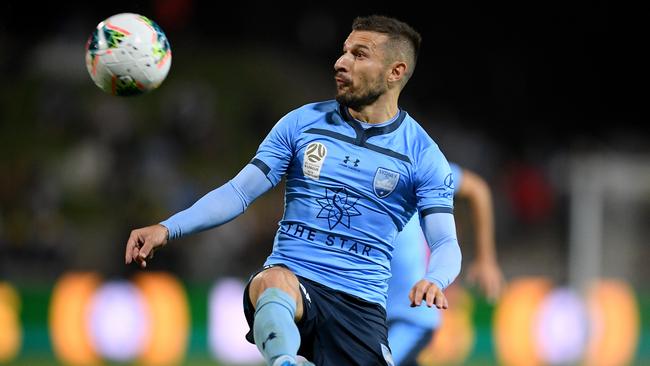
275	152
456	175
445	258
220	205
434	184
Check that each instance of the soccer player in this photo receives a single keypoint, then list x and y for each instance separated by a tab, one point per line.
357	169
410	329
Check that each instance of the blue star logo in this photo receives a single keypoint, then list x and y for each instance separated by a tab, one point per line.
337	207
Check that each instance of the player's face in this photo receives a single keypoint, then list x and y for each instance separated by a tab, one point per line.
360	72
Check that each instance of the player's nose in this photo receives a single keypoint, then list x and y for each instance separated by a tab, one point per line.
342	64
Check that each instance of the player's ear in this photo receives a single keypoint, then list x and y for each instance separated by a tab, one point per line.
397	72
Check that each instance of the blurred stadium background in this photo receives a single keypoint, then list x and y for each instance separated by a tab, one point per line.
541	100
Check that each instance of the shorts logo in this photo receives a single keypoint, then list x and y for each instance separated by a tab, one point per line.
304	292
313	161
385	182
388	357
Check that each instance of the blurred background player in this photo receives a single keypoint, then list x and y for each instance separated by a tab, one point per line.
410	329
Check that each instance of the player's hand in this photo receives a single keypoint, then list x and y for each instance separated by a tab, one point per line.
143	242
487	275
428	291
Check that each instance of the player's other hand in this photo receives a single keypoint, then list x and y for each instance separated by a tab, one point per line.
429	292
143	242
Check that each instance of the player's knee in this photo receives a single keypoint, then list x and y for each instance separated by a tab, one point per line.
275	277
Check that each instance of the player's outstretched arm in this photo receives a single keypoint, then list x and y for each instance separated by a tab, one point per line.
484	270
444	261
215	208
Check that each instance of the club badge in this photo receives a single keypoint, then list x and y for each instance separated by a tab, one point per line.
385	182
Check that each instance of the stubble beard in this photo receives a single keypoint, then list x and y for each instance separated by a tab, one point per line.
357	101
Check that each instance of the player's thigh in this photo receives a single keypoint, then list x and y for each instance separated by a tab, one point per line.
276	277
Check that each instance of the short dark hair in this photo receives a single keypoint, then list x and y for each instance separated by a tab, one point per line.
399	34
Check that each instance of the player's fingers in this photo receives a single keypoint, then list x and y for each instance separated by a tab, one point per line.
429	296
412	296
416	299
141	262
137	257
130	245
145	249
433	296
441	300
135	253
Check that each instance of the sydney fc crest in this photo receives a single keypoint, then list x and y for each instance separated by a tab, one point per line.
385	182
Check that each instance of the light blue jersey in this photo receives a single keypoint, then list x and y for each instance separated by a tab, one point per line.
349	190
350	187
408	266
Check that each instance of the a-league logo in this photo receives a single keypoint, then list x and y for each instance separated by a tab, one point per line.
315	154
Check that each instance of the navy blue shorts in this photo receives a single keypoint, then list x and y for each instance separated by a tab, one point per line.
336	329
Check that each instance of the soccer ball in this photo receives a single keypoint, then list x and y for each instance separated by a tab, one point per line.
128	54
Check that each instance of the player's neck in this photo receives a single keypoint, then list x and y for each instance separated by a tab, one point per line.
380	111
